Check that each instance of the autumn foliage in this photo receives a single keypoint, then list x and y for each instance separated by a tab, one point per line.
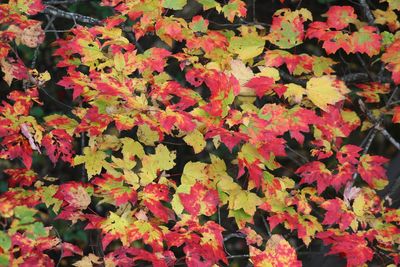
195	125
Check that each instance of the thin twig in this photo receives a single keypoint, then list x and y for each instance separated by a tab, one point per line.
392	96
365	67
266	225
238	256
61	247
297	153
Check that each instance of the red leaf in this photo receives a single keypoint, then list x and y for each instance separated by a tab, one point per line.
201	200
339	17
396	115
352	246
371	171
152	195
315	172
337	213
278	253
23	177
58	143
261	85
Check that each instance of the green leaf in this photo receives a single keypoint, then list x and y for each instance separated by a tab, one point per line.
175	4
4	260
25	214
5	242
247	47
207	4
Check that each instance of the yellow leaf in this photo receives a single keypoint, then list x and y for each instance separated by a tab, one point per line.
194	171
162	160
131	178
131	148
146	135
119	61
294	92
93	159
247	47
269	72
326	90
247	201
87	261
196	140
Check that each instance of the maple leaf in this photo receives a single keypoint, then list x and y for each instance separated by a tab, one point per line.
393	4
396	116
21	176
169	29
366	40
150	233
247	46
196	140
348	154
114	190
162	160
203	244
74	195
30	7
234	8
58	143
287	28
199	24
153	59
326	90
13	69
354	247
392	59
113	227
315	171
372	90
261	85
17	146
387	17
174	4
278	252
371	171
88	260
201	200
93	160
152	195
127	255
339	17
69	249
93	122
337	213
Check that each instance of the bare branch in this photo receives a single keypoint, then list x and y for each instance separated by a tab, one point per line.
367	12
234	235
61	2
348	78
378	125
290	78
266	225
56	12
